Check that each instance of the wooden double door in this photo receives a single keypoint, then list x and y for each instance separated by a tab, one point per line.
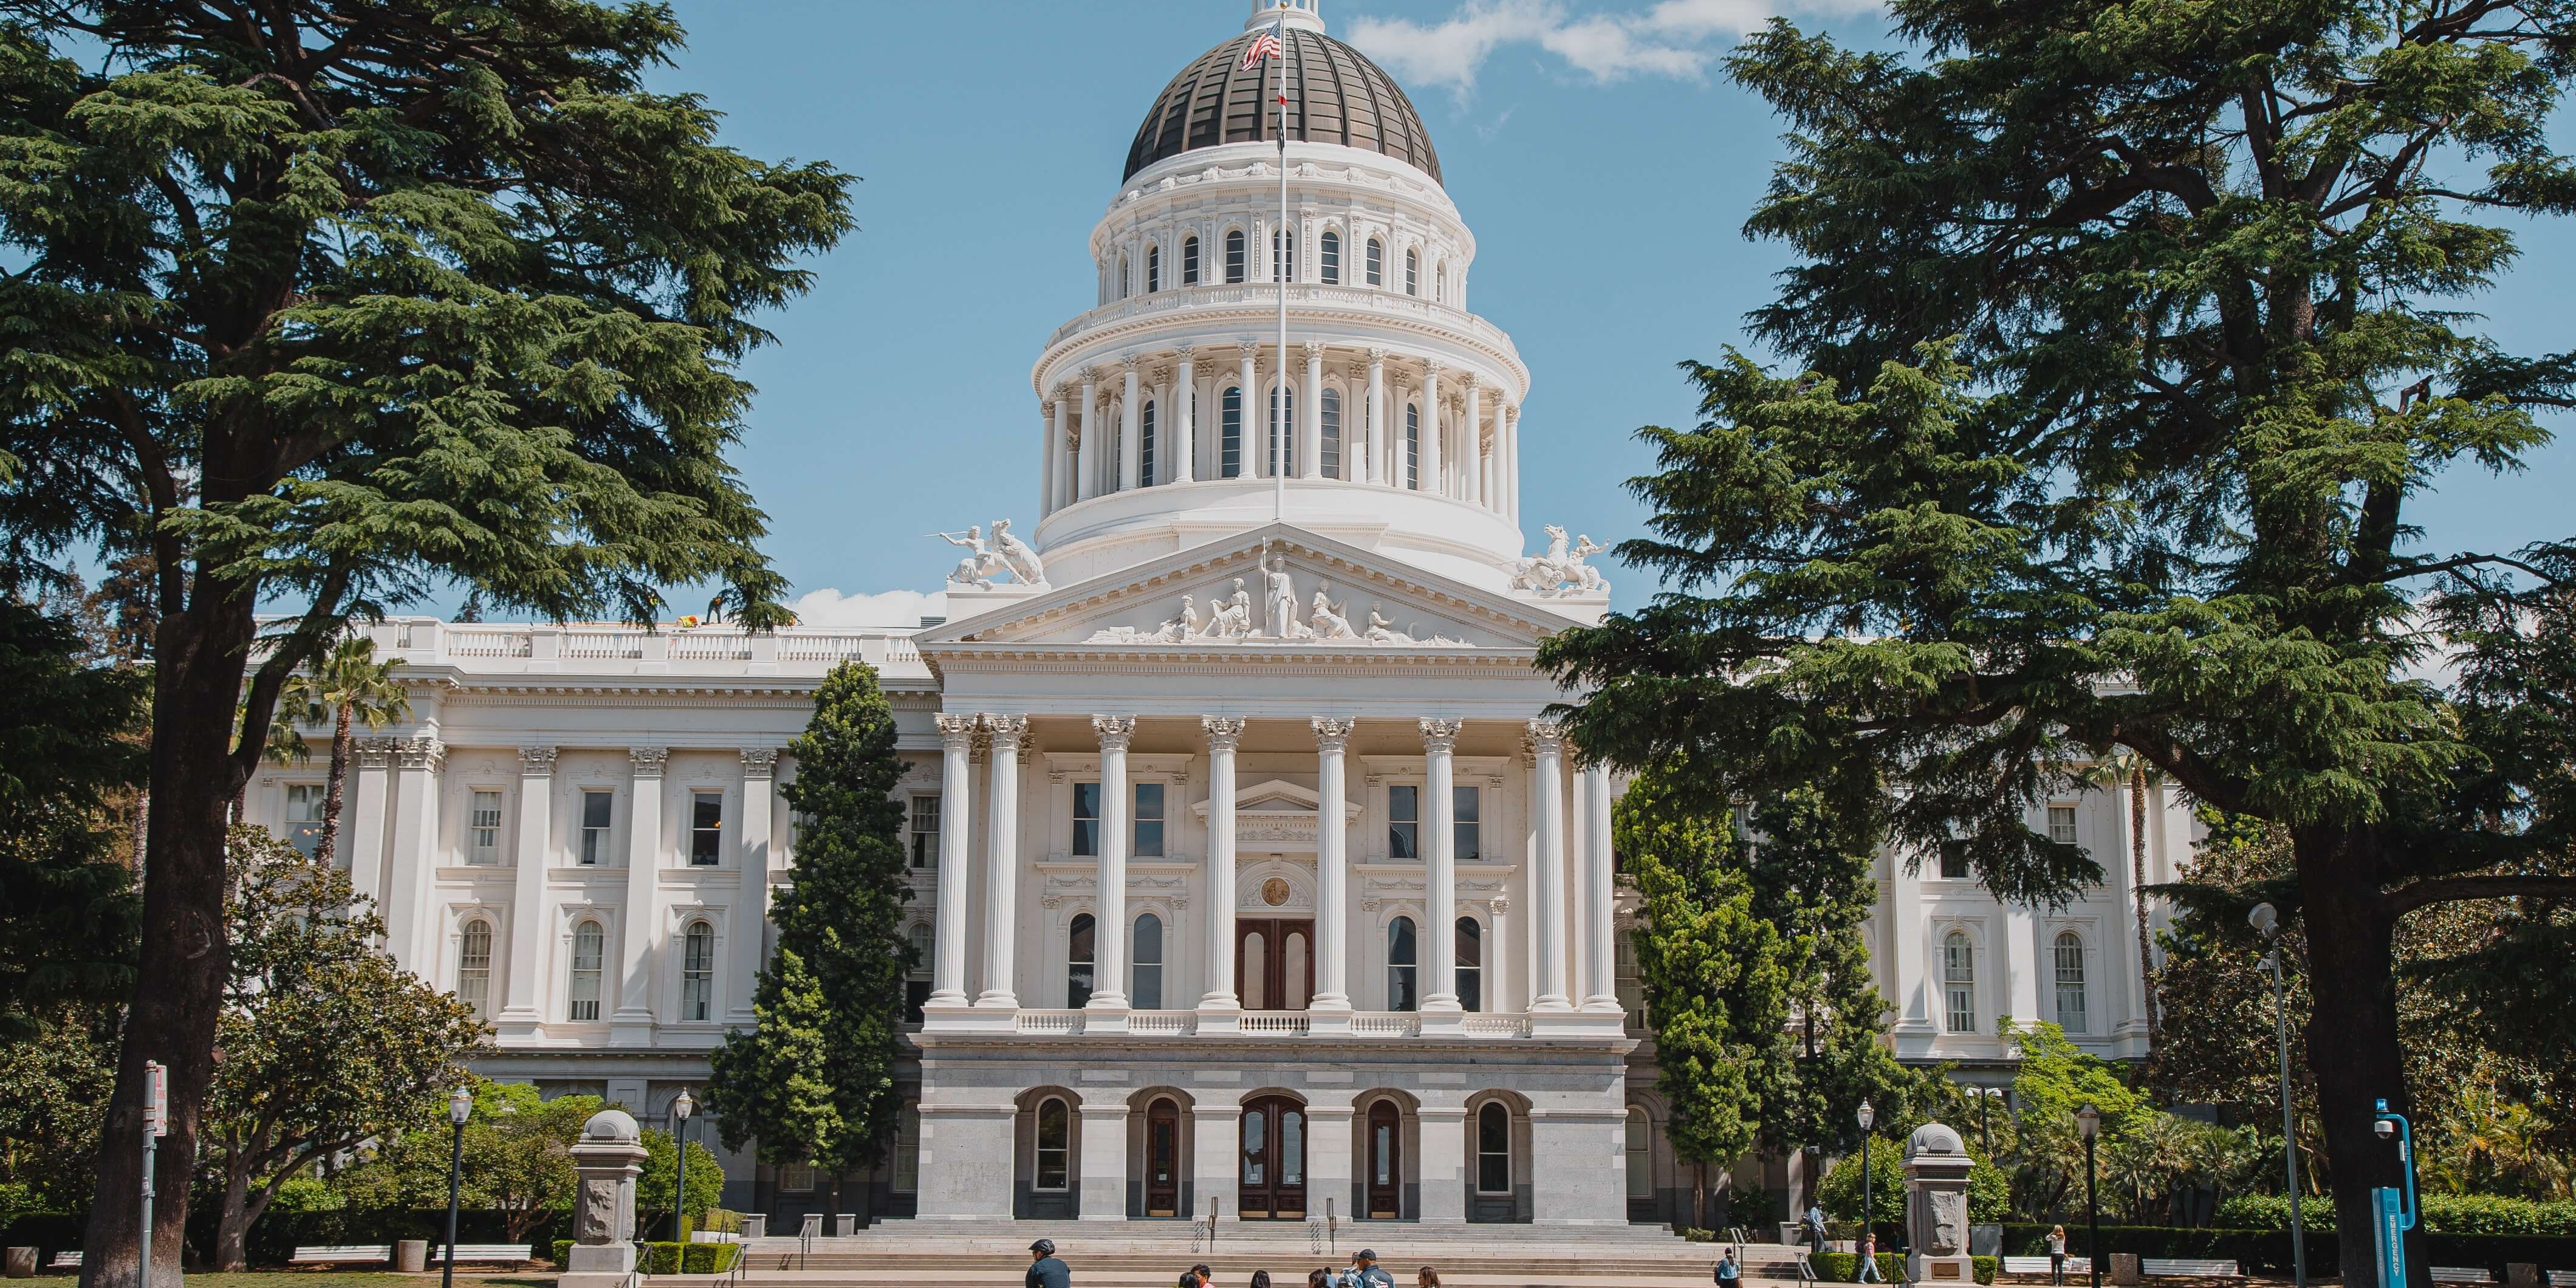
1272	1161
1163	1159
1385	1162
1274	963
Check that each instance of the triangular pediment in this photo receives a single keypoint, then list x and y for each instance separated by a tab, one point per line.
1229	595
1277	796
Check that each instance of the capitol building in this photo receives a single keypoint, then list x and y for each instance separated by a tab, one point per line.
1245	866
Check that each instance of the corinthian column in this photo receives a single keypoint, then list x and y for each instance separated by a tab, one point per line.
1183	415
1310	416
1002	860
751	892
1222	735
1440	872
1433	480
1378	471
522	1009
1547	878
1332	903
1253	453
1471	471
1129	445
948	922
1601	982
1086	464
1109	908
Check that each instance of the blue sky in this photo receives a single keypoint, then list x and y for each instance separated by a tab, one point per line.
1604	164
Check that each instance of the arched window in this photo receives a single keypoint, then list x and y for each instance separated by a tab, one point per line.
1077	962
1471	965
916	983
1283	255
1413	272
1329	258
1959	981
1153	268
698	972
589	945
1413	446
1145	973
1282	455
1145	445
1055	1144
474	966
1190	260
1233	256
1641	1154
1122	277
1376	262
1440	283
1332	448
1229	442
1493	1149
1399	965
2070	983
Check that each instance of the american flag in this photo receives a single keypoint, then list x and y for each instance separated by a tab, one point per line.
1264	46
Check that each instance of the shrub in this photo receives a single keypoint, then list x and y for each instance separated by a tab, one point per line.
1844	1267
2443	1214
563	1252
1984	1268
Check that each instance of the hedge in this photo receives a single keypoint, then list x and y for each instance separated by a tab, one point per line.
2269	1250
2443	1213
664	1258
275	1238
1844	1267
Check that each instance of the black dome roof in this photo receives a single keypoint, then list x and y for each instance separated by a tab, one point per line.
1335	95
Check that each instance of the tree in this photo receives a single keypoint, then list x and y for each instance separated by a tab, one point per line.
345	688
814	1078
2123	339
2124	768
518	1157
326	1042
324	306
653	1188
53	1095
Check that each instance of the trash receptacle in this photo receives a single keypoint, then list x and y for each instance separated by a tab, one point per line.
411	1256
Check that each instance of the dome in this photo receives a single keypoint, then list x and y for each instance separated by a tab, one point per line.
1335	95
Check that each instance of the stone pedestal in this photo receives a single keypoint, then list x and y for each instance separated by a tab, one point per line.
606	1161
2522	1274
1936	1207
755	1225
21	1263
2125	1269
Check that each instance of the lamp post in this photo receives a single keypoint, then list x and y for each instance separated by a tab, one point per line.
460	1106
680	1111
2266	921
2088	1121
1868	1216
1985	1130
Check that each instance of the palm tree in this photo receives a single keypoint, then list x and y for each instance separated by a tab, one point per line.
2125	767
353	688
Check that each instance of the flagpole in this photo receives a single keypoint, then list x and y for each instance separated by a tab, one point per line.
1280	259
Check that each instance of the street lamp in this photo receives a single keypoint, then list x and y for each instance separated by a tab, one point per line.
1867	1116
680	1111
2088	1121
460	1106
1985	1129
2266	921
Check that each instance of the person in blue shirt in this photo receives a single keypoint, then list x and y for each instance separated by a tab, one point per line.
1044	1270
1366	1272
1729	1274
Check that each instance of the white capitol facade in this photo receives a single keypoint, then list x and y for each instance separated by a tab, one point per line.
1245	867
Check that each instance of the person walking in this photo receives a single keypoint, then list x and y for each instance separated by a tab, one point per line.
1044	1270
2056	1254
1815	1226
1868	1259
1366	1273
1729	1274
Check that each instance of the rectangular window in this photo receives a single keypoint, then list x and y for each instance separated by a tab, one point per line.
304	802
1086	820
483	828
706	828
796	1178
1404	822
1463	824
925	832
2070	984
1283	256
1283	436
1332	433
1229	454
1329	259
907	1150
1413	447
594	826
1145	446
2061	824
1149	820
1954	861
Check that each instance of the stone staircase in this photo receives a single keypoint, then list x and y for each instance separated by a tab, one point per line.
1145	1253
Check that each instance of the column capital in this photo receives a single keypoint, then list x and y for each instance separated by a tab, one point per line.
536	762
1090	383
759	762
1114	731
957	729
1314	350
420	752
1332	734
1467	381
647	762
1432	367
1440	736
1376	355
376	753
1250	349
1128	362
1224	733
1499	906
1160	373
1007	731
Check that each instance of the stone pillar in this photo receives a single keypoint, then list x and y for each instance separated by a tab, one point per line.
362	836
606	1162
1086	464
523	1007
1568	1189
2021	958
1440	891
956	829
966	1157
1511	452
1432	479
1600	937
1184	418
1328	1157
1109	909
1103	1195
1130	440
411	866
1378	469
1936	1206
1220	1006
1443	1164
1256	457
1216	1132
751	896
1059	479
1310	416
632	1022
1332	876
1471	442
1002	861
1547	876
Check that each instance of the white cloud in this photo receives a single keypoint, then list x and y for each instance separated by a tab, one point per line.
831	609
1670	38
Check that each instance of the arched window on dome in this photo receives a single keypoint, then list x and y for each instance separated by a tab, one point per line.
1282	451
1328	258
1190	260
1234	257
1229	443
1413	272
1440	283
1332	436
1145	445
1376	262
1413	446
1283	255
1122	277
1153	268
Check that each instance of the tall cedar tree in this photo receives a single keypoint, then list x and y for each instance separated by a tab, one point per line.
2126	341
814	1080
326	304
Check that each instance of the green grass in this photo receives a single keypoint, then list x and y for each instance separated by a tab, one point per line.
357	1279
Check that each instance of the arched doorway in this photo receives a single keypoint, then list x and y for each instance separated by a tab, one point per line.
1163	1159
1271	1174
1385	1161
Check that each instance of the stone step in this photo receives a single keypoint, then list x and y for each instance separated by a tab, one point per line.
1235	1270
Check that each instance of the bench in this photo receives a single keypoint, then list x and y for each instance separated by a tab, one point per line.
342	1252
65	1261
511	1252
2189	1267
2557	1278
2461	1275
2039	1265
